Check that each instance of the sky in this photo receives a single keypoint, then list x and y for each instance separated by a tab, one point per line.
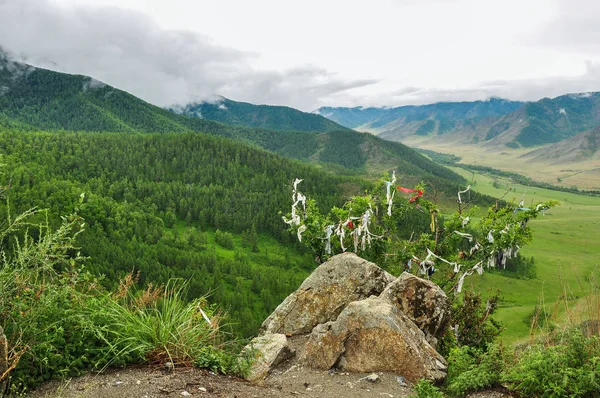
308	54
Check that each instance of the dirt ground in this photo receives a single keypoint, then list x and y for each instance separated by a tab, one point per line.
289	379
154	383
145	382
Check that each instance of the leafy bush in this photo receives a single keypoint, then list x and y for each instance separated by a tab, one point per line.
471	323
567	366
426	389
471	369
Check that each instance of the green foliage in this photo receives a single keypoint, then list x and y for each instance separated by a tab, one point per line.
60	322
471	369
425	389
569	365
365	226
224	239
472	319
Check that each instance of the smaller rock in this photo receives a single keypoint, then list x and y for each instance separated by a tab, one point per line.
372	378
401	381
185	394
138	382
267	351
169	366
202	389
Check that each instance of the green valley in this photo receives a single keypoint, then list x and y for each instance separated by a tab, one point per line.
566	255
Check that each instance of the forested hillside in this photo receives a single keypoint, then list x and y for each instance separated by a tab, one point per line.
151	203
280	118
39	99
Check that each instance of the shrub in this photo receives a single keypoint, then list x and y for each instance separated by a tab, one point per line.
566	366
426	389
60	322
471	369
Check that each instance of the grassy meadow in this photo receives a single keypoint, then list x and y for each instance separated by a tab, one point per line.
566	248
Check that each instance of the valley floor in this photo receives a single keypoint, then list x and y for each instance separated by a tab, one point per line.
584	174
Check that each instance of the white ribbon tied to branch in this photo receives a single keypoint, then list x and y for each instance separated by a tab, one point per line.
465	191
390	193
297	198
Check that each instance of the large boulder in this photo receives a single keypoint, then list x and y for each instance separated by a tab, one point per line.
325	293
373	335
422	301
266	352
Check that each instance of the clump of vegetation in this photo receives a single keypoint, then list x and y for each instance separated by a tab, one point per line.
60	321
426	389
566	365
224	239
471	369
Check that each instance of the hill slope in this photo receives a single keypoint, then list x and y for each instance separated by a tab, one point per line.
583	146
280	118
34	98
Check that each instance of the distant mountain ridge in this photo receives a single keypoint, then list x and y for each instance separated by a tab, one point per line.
495	121
443	112
272	117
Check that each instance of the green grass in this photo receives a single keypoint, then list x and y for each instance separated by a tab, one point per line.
565	246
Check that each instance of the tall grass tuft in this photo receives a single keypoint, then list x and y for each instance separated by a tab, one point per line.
158	325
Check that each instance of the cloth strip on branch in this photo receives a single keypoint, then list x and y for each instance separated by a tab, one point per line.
328	233
465	191
465	221
432	224
465	235
477	267
455	266
300	231
297	198
408	190
490	236
390	193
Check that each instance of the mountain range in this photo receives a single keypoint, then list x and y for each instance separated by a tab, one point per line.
550	133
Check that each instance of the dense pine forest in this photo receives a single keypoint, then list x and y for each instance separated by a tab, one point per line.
149	200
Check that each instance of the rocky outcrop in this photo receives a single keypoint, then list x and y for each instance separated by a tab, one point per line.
423	302
266	352
353	315
325	293
374	335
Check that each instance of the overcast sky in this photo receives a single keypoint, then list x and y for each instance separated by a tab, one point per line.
313	53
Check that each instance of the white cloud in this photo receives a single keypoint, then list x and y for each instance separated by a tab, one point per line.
314	53
129	50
